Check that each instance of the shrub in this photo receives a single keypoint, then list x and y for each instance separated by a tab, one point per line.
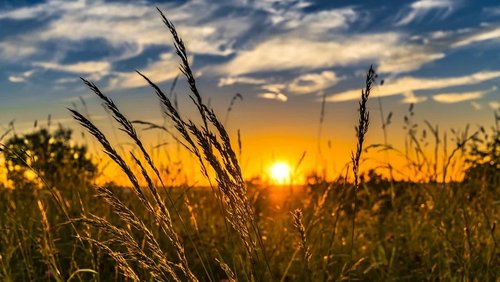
47	158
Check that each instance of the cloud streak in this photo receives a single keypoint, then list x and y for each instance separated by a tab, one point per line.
313	82
419	9
454	97
297	52
411	84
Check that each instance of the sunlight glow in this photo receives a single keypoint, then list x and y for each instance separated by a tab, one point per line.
280	173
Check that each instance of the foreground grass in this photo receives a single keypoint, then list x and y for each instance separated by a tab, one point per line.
428	232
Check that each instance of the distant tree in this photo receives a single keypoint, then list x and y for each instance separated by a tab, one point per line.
48	158
484	157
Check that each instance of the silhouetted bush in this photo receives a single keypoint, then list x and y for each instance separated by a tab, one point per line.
48	158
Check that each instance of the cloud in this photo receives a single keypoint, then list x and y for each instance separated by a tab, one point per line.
21	77
299	39
65	80
421	8
12	50
323	21
410	98
489	33
16	79
449	98
297	52
273	96
274	92
406	84
225	81
41	10
122	25
79	68
494	105
313	82
277	87
284	13
164	69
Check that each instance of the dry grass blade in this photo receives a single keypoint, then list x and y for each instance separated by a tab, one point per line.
217	151
133	251
162	218
361	129
230	274
299	227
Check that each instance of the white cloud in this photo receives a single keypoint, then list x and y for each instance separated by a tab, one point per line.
404	59
65	80
297	52
16	79
478	36
410	98
164	69
12	50
274	96
298	40
280	11
41	10
406	84
274	92
130	27
323	21
313	82
79	68
277	87
421	8
21	77
225	81
454	97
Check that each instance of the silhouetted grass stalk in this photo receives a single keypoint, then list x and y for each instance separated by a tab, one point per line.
361	129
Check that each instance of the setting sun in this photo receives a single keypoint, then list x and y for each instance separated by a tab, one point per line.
280	172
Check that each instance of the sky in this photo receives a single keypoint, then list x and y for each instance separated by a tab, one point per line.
282	56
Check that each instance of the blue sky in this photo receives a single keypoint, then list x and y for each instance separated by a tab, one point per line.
283	56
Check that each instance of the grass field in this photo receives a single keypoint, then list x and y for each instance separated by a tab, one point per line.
56	226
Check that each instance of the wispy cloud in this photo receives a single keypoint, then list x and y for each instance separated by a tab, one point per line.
273	96
313	82
419	9
297	52
299	42
160	71
410	98
407	84
486	34
14	50
225	81
21	77
454	97
323	21
122	25
126	30
78	68
273	92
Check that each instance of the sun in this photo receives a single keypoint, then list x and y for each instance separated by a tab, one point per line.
280	172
